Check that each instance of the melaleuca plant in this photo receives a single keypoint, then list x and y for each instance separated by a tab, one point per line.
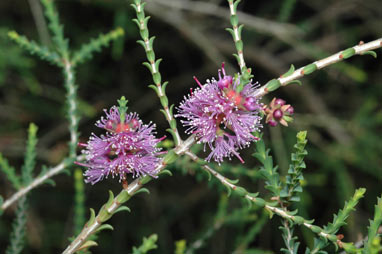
223	117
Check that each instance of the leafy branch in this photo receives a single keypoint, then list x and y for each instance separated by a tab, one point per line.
332	228
95	45
292	185
59	56
375	223
9	172
147	245
19	224
153	65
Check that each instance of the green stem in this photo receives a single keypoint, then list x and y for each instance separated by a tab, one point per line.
236	34
153	65
71	101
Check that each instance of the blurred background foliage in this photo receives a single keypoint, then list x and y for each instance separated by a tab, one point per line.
340	107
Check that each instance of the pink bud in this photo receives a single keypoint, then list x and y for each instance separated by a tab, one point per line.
279	102
134	123
109	125
278	114
225	82
250	103
290	110
272	123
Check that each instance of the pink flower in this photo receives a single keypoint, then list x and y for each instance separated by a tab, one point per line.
128	147
221	116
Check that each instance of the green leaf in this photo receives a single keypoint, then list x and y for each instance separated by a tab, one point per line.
289	72
92	217
9	172
87	245
142	190
372	53
165	172
147	245
50	182
104	227
122	209
298	82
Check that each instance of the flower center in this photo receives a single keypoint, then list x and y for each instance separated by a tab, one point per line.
235	97
116	127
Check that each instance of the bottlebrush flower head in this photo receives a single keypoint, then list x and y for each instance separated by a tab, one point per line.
129	146
223	114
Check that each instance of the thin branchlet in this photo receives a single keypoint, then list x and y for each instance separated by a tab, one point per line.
292	77
153	65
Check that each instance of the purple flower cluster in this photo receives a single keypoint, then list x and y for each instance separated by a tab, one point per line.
222	116
128	147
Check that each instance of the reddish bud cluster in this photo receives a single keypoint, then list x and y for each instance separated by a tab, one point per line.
278	112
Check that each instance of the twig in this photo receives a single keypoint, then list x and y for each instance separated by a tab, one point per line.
153	65
38	181
360	49
236	33
279	211
71	90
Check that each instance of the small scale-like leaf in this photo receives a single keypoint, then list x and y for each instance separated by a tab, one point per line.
122	209
50	182
87	245
165	172
298	82
289	72
142	190
92	217
104	227
232	181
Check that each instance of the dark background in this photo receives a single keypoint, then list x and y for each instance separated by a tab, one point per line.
339	106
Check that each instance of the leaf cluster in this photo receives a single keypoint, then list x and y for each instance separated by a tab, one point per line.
292	186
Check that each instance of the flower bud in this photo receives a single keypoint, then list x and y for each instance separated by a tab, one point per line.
250	103
272	123
279	102
109	125
225	82
290	110
278	114
134	123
